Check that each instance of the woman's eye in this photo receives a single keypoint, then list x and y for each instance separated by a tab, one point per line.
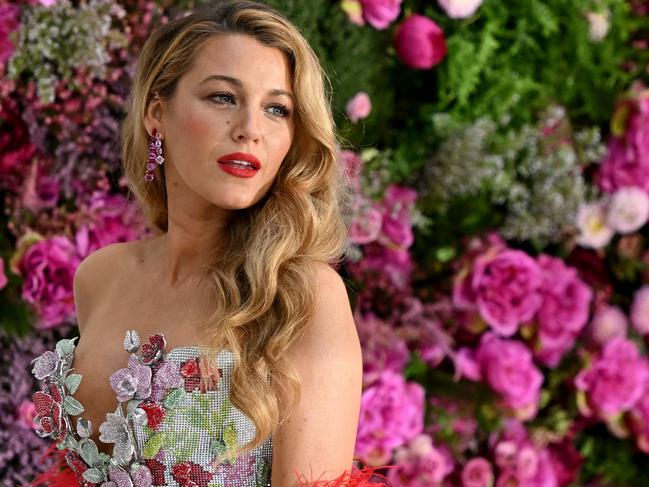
282	111
221	96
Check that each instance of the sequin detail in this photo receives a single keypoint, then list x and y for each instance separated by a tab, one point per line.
168	429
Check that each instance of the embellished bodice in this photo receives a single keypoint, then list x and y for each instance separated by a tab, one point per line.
170	427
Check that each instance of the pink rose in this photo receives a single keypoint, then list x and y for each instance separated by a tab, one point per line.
564	309
48	270
358	107
477	473
366	222
9	22
459	9
420	464
507	367
26	413
388	268
640	310
607	323
420	42
392	412
380	13
3	276
614	382
504	286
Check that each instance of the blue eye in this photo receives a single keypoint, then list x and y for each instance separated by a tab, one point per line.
226	98
283	111
221	95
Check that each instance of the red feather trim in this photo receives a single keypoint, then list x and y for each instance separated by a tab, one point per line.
59	474
355	478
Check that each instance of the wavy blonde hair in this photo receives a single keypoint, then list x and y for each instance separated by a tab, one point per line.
264	279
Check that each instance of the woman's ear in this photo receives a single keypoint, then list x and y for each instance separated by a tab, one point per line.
153	115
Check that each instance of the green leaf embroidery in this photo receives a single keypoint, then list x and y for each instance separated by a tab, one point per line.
72	382
65	347
72	406
173	397
153	444
94	475
88	451
230	435
183	443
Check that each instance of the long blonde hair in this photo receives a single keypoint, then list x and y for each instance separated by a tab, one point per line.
264	280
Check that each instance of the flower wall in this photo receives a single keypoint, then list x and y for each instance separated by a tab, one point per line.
498	265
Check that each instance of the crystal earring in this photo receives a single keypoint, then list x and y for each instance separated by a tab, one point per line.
155	154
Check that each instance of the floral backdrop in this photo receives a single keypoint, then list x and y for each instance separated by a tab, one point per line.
499	259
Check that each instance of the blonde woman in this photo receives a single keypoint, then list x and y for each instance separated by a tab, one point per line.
221	350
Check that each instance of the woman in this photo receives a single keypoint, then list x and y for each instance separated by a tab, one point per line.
252	370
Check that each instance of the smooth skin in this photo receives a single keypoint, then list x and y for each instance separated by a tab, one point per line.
152	284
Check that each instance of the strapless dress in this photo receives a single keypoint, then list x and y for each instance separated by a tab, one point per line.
169	428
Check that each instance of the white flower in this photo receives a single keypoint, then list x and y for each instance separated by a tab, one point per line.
594	232
628	210
599	25
459	9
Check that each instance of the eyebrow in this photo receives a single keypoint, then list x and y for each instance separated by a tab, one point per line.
237	82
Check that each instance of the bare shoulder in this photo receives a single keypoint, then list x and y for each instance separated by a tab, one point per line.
95	274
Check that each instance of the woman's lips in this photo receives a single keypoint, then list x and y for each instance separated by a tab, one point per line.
235	170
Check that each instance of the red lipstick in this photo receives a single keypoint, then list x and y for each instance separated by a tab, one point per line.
240	164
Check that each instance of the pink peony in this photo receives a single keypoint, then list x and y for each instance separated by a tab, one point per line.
420	42
628	209
9	22
640	310
504	286
382	348
608	322
398	205
459	9
627	160
392	412
380	13
420	464
358	107
48	270
507	367
564	311
3	276
26	413
614	382
388	268
477	473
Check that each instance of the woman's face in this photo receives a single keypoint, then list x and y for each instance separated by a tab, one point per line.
235	98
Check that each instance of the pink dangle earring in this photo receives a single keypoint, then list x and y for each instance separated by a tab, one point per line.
155	155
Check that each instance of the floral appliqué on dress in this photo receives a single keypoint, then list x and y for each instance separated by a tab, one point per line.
169	428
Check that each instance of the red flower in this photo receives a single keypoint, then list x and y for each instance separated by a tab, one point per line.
49	413
190	474
157	469
155	414
191	372
152	351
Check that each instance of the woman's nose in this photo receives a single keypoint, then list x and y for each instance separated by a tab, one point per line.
247	125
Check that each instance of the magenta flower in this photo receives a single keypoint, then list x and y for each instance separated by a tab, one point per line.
505	288
9	22
398	205
507	367
380	13
477	473
420	464
614	382
638	420
48	270
420	42
26	414
392	412
607	323
564	310
366	222
358	107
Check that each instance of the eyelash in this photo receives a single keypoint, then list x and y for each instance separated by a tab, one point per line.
285	110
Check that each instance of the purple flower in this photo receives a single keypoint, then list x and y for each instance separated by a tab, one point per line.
166	376
420	42
132	381
392	412
9	22
420	464
507	367
477	472
48	270
380	13
565	308
614	382
627	160
504	286
398	206
640	310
